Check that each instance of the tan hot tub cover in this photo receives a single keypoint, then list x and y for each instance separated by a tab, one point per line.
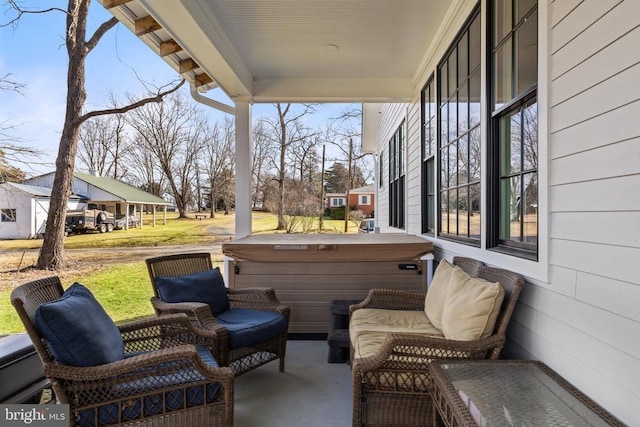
327	247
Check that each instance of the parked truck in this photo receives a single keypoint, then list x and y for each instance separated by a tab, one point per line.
83	220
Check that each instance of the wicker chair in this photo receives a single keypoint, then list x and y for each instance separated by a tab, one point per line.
241	358
391	387
163	379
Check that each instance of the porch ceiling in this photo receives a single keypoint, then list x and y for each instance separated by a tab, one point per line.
285	50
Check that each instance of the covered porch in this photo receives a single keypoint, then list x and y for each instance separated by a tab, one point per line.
576	312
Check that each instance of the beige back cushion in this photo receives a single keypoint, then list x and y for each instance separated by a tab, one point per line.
434	302
471	307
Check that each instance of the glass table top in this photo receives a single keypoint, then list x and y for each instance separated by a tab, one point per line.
517	394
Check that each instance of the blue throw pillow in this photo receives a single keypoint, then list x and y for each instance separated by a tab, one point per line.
205	286
78	330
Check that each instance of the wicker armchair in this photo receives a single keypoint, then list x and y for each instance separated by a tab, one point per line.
391	387
162	379
240	357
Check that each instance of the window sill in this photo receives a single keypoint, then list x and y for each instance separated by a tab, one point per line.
520	253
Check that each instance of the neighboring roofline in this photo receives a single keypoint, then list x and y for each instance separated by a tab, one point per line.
37	191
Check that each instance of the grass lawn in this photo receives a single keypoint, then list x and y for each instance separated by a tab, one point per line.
124	289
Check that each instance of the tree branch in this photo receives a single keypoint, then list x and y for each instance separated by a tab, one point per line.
101	31
9	85
22	11
140	103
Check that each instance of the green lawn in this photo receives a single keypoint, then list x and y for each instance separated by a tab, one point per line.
124	289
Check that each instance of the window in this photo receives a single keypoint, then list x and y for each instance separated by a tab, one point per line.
364	199
514	127
381	171
396	178
459	137
337	201
428	146
7	215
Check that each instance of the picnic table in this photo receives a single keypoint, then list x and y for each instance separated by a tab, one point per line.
201	216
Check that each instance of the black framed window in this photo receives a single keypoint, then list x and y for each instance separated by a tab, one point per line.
458	111
381	170
7	215
397	178
428	149
513	140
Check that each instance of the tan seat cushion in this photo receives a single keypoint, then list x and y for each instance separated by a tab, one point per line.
369	342
437	293
471	307
387	321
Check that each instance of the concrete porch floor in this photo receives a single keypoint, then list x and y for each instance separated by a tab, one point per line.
311	392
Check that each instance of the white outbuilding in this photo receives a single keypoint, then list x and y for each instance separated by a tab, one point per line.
24	210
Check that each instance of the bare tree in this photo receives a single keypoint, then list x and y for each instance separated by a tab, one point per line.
347	126
144	167
78	48
285	131
263	152
102	145
220	157
11	147
173	131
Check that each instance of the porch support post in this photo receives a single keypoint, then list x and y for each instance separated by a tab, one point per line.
244	132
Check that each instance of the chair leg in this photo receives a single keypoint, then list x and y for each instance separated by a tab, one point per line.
283	351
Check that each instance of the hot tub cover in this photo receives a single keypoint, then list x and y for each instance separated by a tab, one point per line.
328	247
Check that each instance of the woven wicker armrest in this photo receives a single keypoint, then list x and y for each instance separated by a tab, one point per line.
390	299
412	351
165	331
129	377
197	311
115	372
262	299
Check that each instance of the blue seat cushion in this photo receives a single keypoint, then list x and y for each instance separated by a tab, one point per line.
147	397
247	327
78	330
205	286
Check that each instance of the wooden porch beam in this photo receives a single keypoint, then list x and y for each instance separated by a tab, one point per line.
168	47
202	79
108	4
187	65
146	25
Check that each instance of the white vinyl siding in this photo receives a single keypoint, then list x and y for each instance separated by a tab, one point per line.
579	310
582	322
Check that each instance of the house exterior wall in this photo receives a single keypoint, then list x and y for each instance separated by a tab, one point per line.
578	312
368	208
24	204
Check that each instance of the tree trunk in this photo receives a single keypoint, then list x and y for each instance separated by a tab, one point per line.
52	253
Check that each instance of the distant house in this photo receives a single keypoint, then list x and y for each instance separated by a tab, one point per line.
24	210
108	194
362	199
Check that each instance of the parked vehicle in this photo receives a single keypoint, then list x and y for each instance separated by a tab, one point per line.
122	221
83	220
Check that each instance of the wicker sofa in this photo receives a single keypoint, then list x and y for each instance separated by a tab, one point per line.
394	335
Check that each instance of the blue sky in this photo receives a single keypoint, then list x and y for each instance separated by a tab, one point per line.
35	55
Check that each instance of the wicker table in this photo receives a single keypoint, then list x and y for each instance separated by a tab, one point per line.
505	392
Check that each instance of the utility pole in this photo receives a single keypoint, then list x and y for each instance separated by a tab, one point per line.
346	208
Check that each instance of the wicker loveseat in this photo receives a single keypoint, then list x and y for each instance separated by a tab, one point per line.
145	373
394	335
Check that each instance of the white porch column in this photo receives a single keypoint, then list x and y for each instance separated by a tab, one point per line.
243	167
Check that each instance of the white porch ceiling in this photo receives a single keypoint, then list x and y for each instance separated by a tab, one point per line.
284	50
